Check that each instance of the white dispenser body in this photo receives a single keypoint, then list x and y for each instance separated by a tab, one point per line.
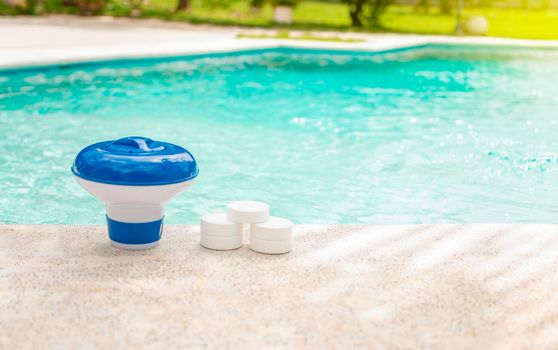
134	204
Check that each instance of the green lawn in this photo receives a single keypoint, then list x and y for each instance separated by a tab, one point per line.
513	23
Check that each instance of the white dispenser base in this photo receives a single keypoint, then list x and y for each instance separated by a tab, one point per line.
134	246
134	213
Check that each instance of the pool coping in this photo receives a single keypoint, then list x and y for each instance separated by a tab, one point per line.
156	59
189	40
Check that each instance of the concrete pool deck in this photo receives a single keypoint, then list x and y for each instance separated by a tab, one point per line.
343	286
28	41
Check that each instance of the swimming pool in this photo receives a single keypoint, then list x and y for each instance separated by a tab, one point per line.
426	135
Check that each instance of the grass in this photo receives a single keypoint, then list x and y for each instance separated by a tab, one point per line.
313	15
285	34
512	23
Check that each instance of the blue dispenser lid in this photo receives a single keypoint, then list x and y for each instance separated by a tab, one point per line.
135	161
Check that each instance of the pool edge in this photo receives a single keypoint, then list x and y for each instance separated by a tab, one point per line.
379	45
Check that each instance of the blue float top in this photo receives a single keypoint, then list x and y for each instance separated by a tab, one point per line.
135	161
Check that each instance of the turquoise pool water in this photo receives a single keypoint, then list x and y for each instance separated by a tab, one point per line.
428	135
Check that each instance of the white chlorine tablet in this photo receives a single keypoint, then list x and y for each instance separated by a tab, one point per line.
271	247
220	243
219	233
272	237
274	229
218	225
248	212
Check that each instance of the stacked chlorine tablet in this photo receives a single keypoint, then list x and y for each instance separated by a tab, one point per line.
219	233
268	235
273	236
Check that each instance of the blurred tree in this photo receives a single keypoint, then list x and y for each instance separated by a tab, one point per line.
182	5
90	7
256	5
217	3
376	8
372	8
445	7
136	7
30	6
422	5
355	11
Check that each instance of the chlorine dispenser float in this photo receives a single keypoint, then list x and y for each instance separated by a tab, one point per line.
135	177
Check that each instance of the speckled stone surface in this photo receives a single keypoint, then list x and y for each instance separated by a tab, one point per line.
407	287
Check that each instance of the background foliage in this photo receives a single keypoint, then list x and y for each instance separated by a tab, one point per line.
535	19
